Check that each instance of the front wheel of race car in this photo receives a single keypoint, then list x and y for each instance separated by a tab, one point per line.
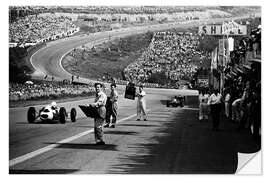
31	115
168	104
62	115
73	114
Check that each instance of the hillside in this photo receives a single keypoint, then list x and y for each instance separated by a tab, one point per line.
110	57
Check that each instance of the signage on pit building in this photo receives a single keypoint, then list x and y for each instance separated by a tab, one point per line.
229	28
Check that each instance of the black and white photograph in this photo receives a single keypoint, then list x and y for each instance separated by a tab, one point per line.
134	89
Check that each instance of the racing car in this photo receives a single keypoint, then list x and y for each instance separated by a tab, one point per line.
50	113
176	101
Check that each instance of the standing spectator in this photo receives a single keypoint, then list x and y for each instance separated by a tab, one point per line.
245	106
100	102
236	110
141	104
256	112
203	106
215	107
207	96
112	112
227	103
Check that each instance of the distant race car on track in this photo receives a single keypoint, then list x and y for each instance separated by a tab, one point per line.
51	113
176	101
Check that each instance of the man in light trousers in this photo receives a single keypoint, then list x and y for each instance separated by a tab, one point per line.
100	102
141	104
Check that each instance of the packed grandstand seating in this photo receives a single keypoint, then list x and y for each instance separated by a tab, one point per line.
139	9
31	25
37	28
46	90
21	10
171	52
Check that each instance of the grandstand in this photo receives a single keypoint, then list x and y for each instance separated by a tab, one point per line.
169	54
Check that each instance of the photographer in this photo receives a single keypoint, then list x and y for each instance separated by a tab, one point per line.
100	102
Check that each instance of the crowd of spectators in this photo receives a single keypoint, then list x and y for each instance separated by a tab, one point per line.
138	9
46	90
169	52
244	92
248	46
242	84
39	27
21	10
26	10
118	20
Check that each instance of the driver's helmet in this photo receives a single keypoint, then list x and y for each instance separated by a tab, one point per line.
53	104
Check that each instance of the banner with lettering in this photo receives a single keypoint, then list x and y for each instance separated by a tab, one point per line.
231	28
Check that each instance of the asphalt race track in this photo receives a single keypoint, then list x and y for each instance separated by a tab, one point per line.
70	148
53	148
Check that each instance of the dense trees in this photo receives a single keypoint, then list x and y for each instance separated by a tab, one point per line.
18	69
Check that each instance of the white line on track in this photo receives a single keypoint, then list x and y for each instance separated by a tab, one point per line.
31	58
30	155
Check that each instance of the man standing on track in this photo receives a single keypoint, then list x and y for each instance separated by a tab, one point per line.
112	107
215	107
100	102
141	104
203	107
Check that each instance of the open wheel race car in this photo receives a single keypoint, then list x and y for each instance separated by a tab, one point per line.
176	101
49	113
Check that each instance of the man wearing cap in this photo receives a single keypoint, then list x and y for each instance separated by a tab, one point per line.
112	112
100	102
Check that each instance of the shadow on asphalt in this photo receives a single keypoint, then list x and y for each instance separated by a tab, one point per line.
192	101
188	147
120	132
139	125
110	147
40	122
163	102
43	171
160	156
44	122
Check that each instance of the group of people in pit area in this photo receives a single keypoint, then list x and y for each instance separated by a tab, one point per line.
243	110
214	102
108	115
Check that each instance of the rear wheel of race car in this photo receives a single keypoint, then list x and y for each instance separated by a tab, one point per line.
73	114
62	115
31	115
